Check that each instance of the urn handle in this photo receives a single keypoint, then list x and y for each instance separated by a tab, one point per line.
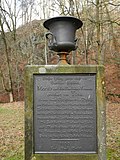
76	45
51	39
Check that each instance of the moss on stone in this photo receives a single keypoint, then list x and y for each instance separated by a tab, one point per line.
65	157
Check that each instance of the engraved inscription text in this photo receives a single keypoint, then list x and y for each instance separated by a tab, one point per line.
65	113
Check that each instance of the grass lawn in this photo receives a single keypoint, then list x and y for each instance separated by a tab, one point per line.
12	131
113	131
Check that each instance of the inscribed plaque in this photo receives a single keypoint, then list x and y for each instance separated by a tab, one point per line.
65	113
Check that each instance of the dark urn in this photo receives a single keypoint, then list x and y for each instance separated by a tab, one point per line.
61	35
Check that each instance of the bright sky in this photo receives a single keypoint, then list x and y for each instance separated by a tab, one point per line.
37	11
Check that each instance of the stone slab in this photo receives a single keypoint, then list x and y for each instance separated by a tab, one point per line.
32	151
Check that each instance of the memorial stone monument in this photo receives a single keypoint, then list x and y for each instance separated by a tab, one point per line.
64	104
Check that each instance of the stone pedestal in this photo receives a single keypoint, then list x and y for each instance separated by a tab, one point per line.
64	113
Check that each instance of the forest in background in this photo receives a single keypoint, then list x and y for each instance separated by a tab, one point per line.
22	40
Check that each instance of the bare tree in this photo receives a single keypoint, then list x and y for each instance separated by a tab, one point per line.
98	31
27	10
10	86
8	21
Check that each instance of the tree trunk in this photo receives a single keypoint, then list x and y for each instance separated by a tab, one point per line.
98	32
8	62
114	42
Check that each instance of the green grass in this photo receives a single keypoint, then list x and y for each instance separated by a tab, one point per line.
113	154
12	132
113	131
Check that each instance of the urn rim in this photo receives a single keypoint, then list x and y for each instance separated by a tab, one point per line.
78	23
